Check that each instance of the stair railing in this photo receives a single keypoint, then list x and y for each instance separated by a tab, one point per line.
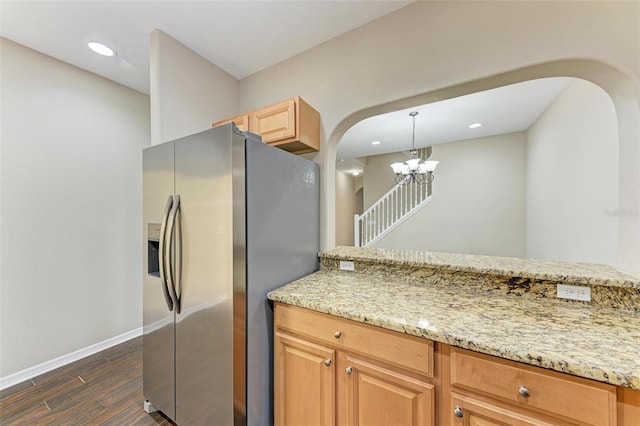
393	208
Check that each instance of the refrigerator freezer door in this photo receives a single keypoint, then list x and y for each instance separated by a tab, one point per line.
204	345
158	319
283	240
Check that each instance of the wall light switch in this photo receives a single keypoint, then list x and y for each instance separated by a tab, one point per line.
574	292
347	265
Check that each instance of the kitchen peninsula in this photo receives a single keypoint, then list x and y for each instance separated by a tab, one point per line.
447	339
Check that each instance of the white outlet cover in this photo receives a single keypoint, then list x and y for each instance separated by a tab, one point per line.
347	265
574	292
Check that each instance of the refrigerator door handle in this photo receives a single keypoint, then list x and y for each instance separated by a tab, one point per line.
169	252
161	249
178	257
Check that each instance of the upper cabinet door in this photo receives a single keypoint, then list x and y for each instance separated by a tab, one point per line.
275	122
241	122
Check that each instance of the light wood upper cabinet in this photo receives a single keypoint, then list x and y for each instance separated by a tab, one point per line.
275	123
241	121
292	125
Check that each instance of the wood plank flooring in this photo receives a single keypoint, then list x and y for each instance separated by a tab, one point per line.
102	389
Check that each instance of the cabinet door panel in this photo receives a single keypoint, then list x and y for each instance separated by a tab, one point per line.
371	395
241	122
276	122
304	383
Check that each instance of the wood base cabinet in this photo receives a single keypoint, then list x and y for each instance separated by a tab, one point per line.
305	382
525	392
372	395
475	412
330	371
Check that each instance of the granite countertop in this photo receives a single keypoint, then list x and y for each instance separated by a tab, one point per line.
595	342
576	272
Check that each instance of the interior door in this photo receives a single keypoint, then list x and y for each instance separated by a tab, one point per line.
158	319
204	324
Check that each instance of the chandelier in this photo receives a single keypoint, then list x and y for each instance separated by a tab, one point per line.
414	170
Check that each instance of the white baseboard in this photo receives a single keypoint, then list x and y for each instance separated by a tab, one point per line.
45	367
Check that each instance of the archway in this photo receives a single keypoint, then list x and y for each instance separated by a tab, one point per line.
625	94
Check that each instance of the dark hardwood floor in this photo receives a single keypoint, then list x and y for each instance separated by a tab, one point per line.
102	389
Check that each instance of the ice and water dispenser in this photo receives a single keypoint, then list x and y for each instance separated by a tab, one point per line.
153	249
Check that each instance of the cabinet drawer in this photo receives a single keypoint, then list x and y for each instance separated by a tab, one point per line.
586	401
394	348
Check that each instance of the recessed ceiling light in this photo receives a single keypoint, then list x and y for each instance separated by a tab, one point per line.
375	143
101	49
356	172
475	125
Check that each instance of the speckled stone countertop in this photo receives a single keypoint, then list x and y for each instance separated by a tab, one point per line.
576	273
595	342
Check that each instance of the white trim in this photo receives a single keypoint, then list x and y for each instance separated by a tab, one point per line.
45	367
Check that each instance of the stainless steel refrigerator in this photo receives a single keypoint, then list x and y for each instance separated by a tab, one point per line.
226	219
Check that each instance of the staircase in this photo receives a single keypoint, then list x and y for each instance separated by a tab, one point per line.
393	208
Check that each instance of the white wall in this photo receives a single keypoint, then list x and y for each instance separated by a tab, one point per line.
71	207
347	207
376	174
395	62
188	93
478	202
572	178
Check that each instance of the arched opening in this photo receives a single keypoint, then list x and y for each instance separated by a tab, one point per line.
624	95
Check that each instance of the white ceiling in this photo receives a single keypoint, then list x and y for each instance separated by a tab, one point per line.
507	109
241	37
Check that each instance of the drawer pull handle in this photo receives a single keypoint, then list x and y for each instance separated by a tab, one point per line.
524	392
327	362
348	370
337	334
458	412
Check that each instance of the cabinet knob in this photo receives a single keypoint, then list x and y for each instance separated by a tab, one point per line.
327	362
337	334
524	392
348	370
458	412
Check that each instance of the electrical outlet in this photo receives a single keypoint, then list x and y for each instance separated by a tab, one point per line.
574	292
347	265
